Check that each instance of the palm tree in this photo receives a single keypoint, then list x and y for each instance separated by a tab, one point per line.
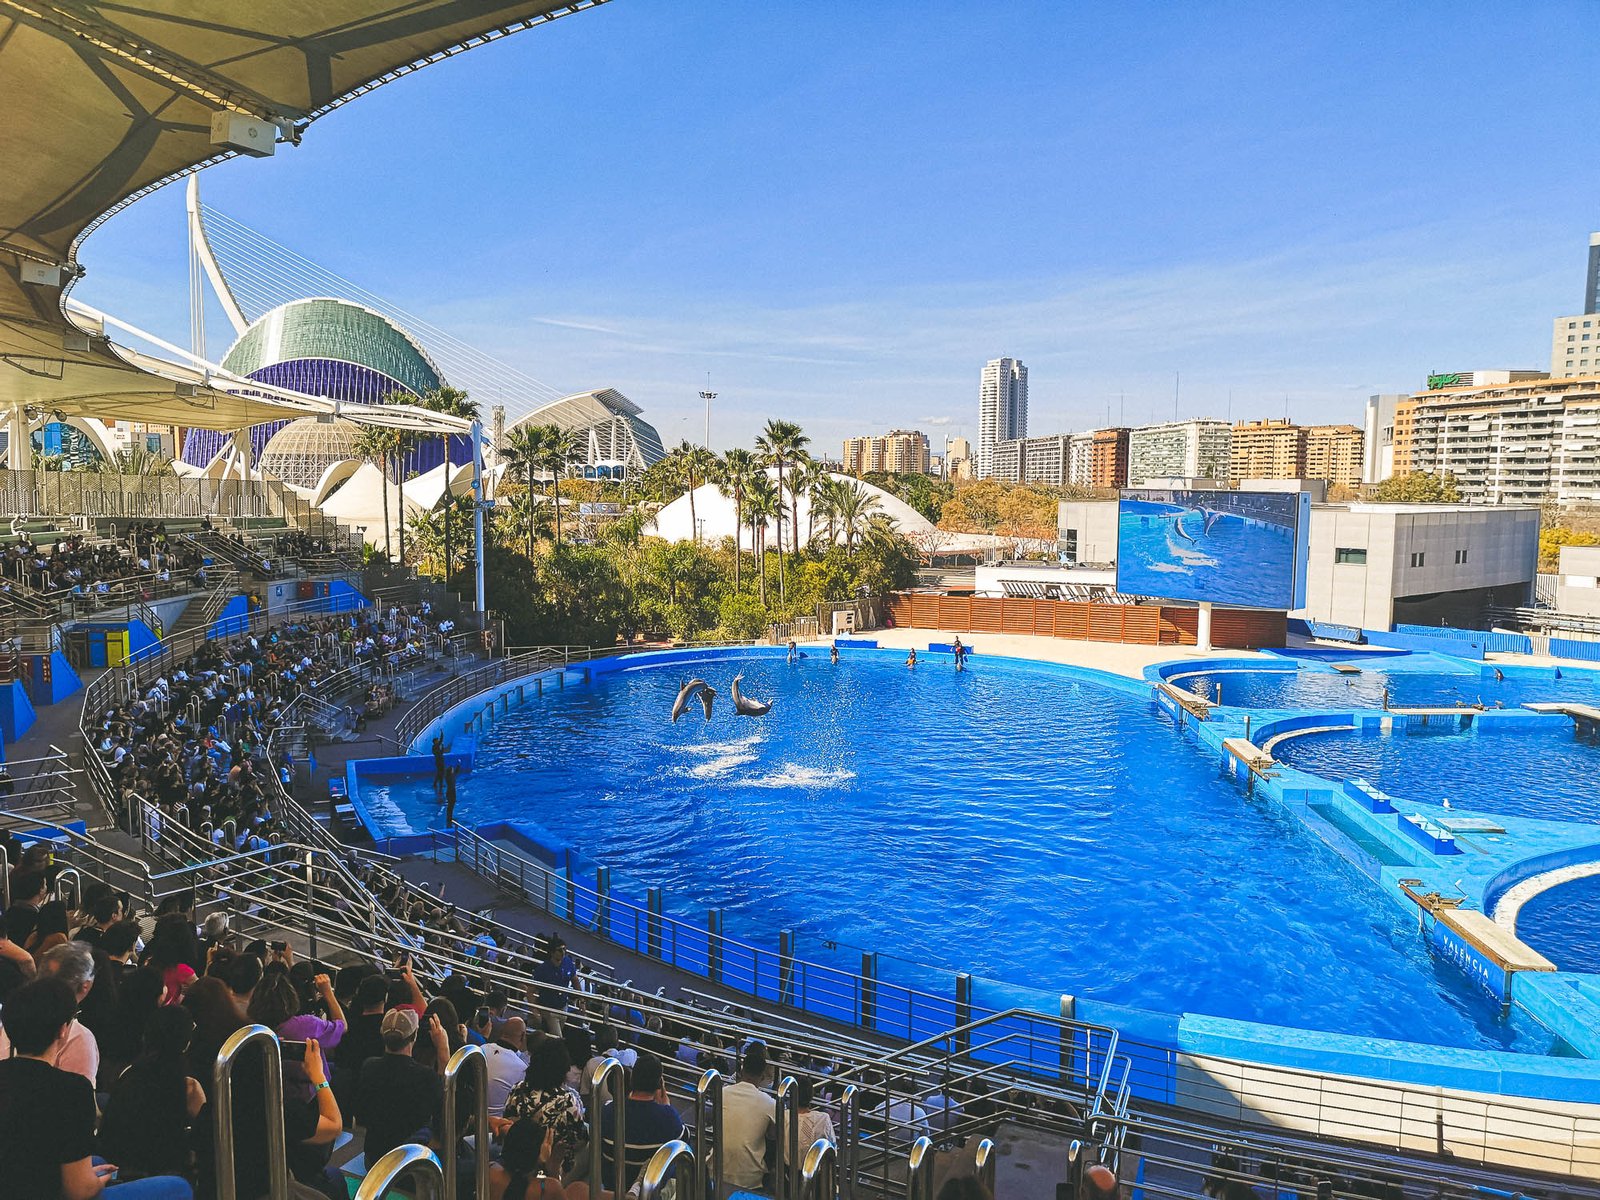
452	402
560	448
738	467
779	443
856	508
376	444
762	504
524	452
808	475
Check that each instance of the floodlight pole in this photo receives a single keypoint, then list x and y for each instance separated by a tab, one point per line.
708	397
477	515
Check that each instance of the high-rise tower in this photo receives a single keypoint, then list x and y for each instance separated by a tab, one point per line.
1002	409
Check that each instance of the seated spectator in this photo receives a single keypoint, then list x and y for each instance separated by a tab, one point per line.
16	964
652	1122
507	1056
397	1097
433	1055
747	1116
173	952
363	1038
815	1125
309	1128
77	1052
544	1096
47	1115
49	931
244	977
103	912
216	1018
145	1128
530	1166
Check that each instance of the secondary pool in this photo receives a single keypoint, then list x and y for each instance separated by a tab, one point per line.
1408	681
1022	821
1547	773
1561	924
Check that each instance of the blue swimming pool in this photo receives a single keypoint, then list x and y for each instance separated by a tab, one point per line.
1547	773
1410	681
1562	925
1021	821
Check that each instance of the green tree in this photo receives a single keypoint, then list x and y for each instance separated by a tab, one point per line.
762	505
1418	487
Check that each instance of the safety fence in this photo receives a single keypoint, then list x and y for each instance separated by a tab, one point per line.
1138	624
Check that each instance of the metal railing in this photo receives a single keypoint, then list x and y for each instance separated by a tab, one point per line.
609	1076
467	1060
819	1174
417	1163
668	1157
435	703
222	1111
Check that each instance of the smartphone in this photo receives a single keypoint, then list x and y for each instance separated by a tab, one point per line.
279	947
292	1048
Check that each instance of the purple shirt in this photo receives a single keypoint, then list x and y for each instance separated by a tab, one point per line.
304	1027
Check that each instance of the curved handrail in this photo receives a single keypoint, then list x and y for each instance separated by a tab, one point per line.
787	1119
654	1176
465	1059
849	1138
416	1161
919	1170
983	1162
707	1130
222	1106
600	1077
819	1174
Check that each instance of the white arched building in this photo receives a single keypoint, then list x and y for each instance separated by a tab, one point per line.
714	513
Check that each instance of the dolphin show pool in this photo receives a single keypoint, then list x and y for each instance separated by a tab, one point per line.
1049	829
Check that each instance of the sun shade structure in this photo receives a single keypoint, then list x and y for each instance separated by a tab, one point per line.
104	103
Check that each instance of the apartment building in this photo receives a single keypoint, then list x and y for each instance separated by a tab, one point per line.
1196	449
1519	441
1270	449
1334	454
1108	458
899	452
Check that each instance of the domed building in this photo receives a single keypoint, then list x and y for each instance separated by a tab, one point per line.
334	348
301	452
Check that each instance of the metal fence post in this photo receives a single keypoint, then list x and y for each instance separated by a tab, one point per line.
602	903
714	945
652	926
868	1016
785	966
963	1037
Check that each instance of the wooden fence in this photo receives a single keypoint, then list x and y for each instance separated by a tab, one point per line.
1139	624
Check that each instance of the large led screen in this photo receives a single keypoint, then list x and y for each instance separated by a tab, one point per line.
1245	549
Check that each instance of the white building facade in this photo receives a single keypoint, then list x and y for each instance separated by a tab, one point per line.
1197	449
1002	409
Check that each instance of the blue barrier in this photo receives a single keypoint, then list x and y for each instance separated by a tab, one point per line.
1493	642
1573	648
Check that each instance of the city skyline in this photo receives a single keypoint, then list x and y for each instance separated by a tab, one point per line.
1312	257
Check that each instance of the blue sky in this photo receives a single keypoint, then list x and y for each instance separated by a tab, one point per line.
842	210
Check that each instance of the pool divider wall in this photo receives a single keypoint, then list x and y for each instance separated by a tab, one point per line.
1197	1061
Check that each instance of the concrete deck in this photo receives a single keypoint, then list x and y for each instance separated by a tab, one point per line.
1116	657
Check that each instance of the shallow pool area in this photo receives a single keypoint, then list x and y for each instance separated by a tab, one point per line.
1547	773
1036	825
1401	681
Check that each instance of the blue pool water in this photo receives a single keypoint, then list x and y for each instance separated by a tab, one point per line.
1563	924
1412	682
1018	821
1547	773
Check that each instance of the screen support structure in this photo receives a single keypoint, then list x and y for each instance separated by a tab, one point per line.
477	517
1202	635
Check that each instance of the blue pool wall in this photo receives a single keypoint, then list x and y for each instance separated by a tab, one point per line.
1159	1043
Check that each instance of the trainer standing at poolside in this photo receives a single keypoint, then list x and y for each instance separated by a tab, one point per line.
438	763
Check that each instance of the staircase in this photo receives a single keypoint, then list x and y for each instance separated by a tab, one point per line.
202	611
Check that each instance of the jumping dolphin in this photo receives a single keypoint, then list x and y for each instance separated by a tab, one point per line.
1210	522
681	704
1177	526
743	705
707	695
